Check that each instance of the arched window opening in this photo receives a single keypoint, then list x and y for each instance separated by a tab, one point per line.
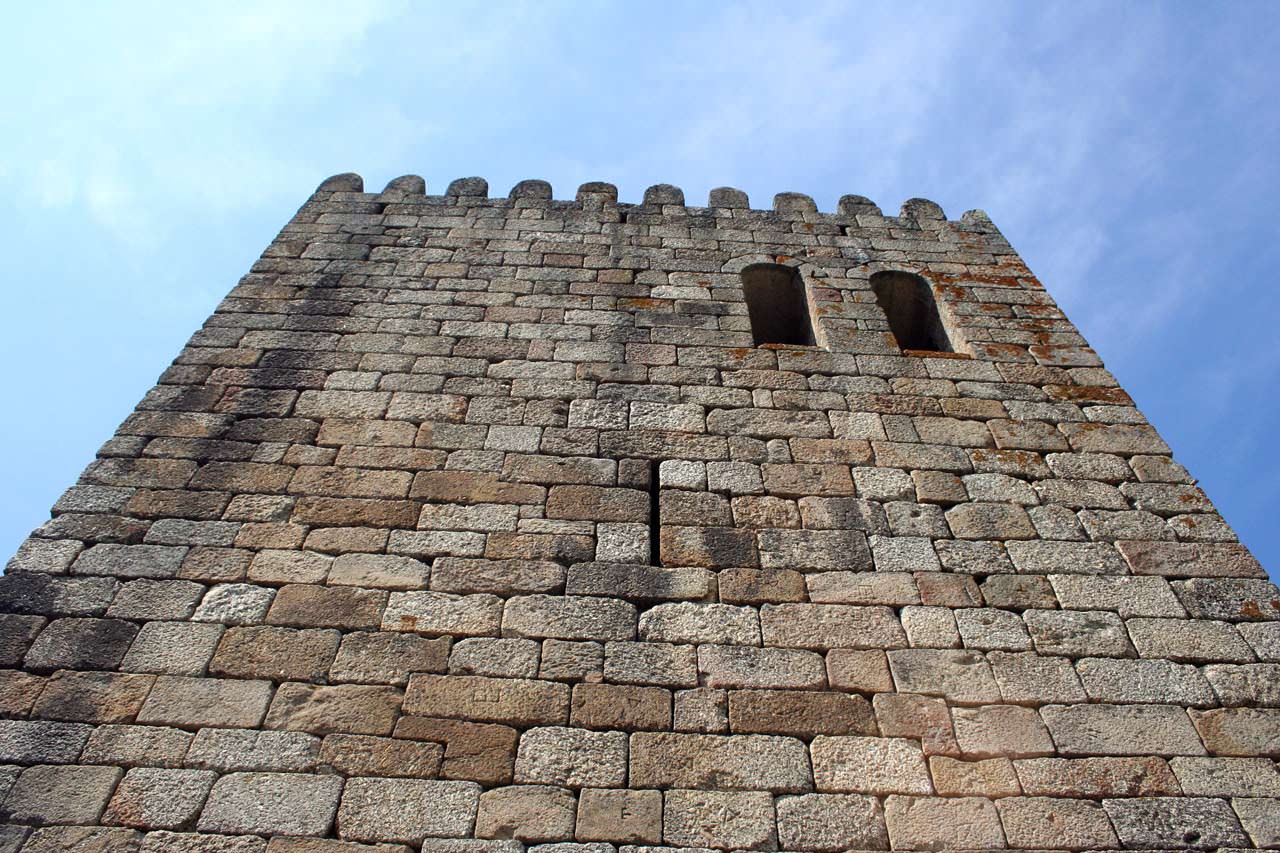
777	305
908	303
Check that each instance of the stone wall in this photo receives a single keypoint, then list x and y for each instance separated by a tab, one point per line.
375	561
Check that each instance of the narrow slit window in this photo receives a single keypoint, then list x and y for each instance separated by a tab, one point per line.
908	303
655	519
777	305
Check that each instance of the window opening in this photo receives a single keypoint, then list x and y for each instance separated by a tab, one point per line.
655	520
777	305
912	311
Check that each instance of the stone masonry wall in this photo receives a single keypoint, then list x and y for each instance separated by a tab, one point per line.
372	562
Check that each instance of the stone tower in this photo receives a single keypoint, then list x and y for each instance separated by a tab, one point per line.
472	524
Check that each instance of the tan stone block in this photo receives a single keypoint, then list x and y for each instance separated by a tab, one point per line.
862	670
379	657
313	606
503	577
356	512
365	755
529	813
869	765
480	752
575	757
735	762
990	777
938	823
616	706
920	717
280	654
191	703
518	701
747	667
594	503
831	823
828	626
760	586
467	487
619	816
1040	822
321	710
741	821
1240	731
1001	730
1096	777
799	713
88	697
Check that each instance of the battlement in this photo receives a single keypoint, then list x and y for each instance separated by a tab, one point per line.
914	212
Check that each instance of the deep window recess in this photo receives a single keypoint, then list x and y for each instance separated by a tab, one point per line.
908	303
777	305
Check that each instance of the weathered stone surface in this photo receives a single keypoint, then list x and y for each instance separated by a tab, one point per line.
743	821
192	703
1122	730
638	582
661	664
1042	822
529	813
869	765
746	667
687	622
81	644
738	762
1182	822
1001	730
143	746
1096	777
271	804
92	697
229	750
321	709
959	676
616	706
364	755
378	657
440	613
990	777
937	823
619	816
829	626
1239	731
573	757
53	794
569	618
150	798
521	702
831	822
799	713
279	654
406	810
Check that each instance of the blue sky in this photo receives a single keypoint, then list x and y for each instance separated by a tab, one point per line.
150	152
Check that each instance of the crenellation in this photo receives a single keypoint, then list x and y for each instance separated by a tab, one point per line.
472	523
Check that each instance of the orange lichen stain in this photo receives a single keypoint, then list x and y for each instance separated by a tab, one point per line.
781	259
641	302
928	353
408	623
1251	610
808	226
